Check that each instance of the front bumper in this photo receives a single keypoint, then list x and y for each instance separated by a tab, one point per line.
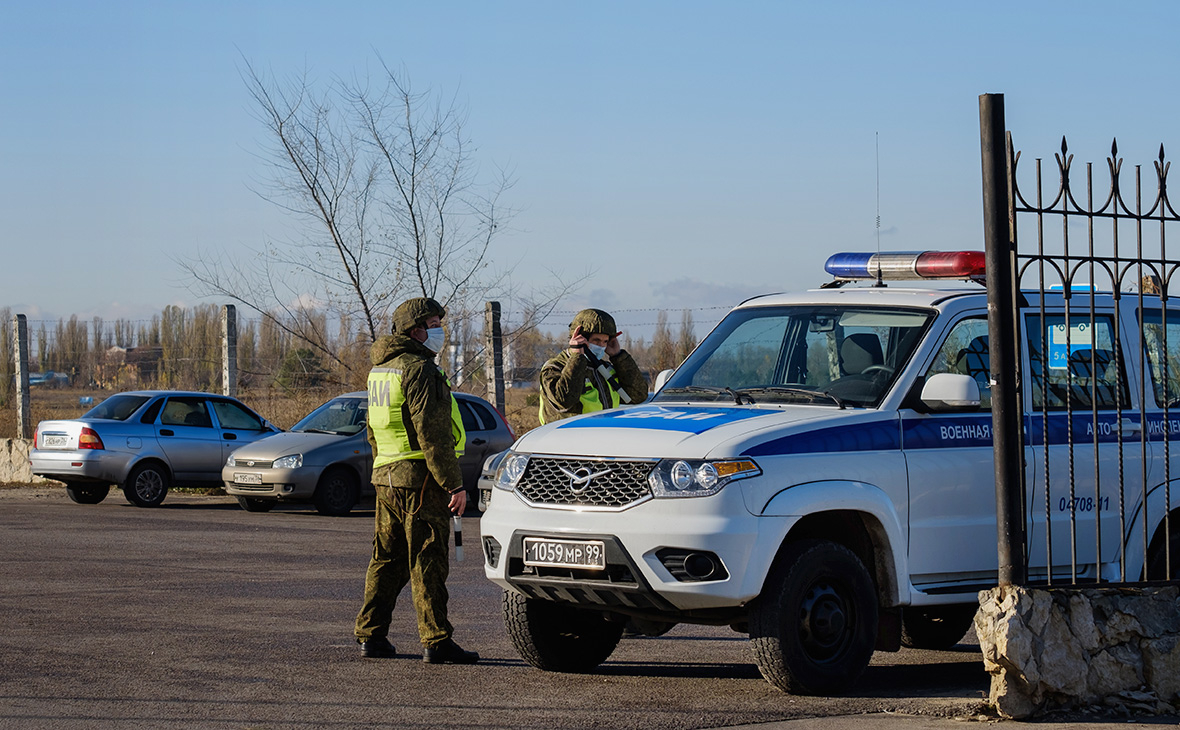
297	484
638	543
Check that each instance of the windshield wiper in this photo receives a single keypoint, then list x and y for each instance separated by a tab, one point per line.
319	430
693	389
793	390
738	395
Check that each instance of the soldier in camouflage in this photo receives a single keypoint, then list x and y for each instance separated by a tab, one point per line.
415	432
594	373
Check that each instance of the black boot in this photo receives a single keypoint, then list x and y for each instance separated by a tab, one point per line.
378	647
448	652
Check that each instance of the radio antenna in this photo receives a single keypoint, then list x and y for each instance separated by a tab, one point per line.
877	141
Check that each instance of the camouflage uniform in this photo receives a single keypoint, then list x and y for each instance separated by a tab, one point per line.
410	542
569	383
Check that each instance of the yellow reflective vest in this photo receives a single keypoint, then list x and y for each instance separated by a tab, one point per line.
387	418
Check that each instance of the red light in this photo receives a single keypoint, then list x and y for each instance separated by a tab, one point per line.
950	264
88	439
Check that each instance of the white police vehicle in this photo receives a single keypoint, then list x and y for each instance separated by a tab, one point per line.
819	473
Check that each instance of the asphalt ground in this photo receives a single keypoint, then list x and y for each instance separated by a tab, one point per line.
197	614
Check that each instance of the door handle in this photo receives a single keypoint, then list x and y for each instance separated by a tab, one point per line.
1126	425
166	432
478	442
230	436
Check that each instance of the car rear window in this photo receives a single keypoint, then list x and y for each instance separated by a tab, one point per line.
117	407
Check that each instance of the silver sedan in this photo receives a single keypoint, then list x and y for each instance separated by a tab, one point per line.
146	441
326	459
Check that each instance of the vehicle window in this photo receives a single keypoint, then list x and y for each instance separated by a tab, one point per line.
807	354
234	416
344	416
488	421
117	407
1161	342
470	420
964	351
185	411
1074	363
149	415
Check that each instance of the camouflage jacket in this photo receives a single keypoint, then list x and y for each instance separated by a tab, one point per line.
427	415
563	379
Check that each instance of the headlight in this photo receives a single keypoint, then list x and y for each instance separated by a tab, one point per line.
694	478
294	461
230	461
510	471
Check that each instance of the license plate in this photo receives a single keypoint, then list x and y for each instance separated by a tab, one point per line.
589	554
246	478
54	442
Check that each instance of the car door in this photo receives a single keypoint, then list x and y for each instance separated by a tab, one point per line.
949	458
237	426
186	434
1084	433
477	427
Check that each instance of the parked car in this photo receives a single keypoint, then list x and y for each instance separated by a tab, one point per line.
326	459
147	441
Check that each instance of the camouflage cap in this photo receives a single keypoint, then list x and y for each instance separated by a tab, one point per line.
414	313
594	322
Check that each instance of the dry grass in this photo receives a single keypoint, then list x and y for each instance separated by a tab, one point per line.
283	408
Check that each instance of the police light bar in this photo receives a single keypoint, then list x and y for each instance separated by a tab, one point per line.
907	265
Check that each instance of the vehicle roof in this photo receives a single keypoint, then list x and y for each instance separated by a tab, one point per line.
962	295
153	393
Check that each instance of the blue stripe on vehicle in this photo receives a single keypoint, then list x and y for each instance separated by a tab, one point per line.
664	418
876	436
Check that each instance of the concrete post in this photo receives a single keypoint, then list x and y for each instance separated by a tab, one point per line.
494	355
20	351
229	350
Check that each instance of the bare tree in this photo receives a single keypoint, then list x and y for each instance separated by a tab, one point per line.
386	179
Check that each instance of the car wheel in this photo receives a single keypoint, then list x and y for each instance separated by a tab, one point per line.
87	493
935	627
814	627
1157	560
559	637
337	492
254	504
147	485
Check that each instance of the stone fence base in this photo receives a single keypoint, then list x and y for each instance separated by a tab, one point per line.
1052	649
14	463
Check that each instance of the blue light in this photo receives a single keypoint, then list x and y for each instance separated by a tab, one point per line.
849	265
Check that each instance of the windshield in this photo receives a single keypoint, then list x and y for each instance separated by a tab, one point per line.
832	356
343	416
117	407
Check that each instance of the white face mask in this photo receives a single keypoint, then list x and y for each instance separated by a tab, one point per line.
434	339
598	350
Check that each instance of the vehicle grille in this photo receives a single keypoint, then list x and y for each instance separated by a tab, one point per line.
252	464
612	484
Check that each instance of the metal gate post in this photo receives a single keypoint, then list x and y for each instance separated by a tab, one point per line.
1000	253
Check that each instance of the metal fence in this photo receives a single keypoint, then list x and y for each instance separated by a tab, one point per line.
1084	419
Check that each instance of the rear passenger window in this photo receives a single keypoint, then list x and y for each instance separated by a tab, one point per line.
488	420
184	411
1074	364
470	420
1161	343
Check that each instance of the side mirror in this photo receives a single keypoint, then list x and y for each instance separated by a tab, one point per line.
950	391
661	379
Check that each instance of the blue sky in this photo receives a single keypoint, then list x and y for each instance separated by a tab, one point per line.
687	154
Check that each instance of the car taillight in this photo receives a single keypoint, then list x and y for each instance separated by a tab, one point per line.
88	439
507	425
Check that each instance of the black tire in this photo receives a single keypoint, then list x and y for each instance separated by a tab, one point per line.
147	485
87	493
337	492
1157	564
256	504
936	627
559	637
814	627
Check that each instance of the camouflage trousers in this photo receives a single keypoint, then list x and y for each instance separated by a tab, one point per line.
410	544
